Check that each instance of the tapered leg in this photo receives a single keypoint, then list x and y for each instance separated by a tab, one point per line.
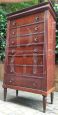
16	93
5	93
52	95
44	103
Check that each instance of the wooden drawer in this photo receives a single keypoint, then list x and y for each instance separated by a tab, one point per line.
31	29
26	51
31	39
27	20
24	82
27	40
25	69
26	59
34	48
29	82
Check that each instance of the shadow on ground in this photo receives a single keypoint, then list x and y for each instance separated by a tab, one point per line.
31	103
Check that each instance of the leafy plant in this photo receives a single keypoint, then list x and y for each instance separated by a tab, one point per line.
56	9
2	33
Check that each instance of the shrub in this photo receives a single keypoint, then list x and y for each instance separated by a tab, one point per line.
2	34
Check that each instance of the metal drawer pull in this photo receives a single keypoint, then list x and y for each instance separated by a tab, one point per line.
36	28
12	42
36	39
10	81
13	32
13	51
35	50
13	23
11	70
37	18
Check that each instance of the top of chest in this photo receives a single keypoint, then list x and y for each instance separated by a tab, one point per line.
32	10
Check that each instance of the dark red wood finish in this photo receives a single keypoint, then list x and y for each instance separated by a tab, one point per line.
30	51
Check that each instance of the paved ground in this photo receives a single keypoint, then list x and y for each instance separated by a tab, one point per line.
26	104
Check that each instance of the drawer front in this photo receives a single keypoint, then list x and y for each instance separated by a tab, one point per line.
25	70
28	63
27	20
30	29
26	41
24	82
26	49
26	57
29	83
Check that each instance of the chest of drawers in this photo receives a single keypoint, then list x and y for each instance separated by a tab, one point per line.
30	51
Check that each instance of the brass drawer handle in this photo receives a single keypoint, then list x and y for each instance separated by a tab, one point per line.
10	81
36	39
13	51
36	28
11	71
12	42
13	23
35	50
13	33
37	18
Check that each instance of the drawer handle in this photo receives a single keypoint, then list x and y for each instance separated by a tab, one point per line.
10	81
35	50
36	28
37	18
35	39
13	23
13	51
13	33
12	42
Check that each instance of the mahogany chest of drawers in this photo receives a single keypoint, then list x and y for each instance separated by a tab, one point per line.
30	51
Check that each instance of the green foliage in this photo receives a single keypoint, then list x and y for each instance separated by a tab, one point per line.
56	8
11	7
2	33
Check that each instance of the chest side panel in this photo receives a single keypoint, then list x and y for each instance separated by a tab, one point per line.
51	52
